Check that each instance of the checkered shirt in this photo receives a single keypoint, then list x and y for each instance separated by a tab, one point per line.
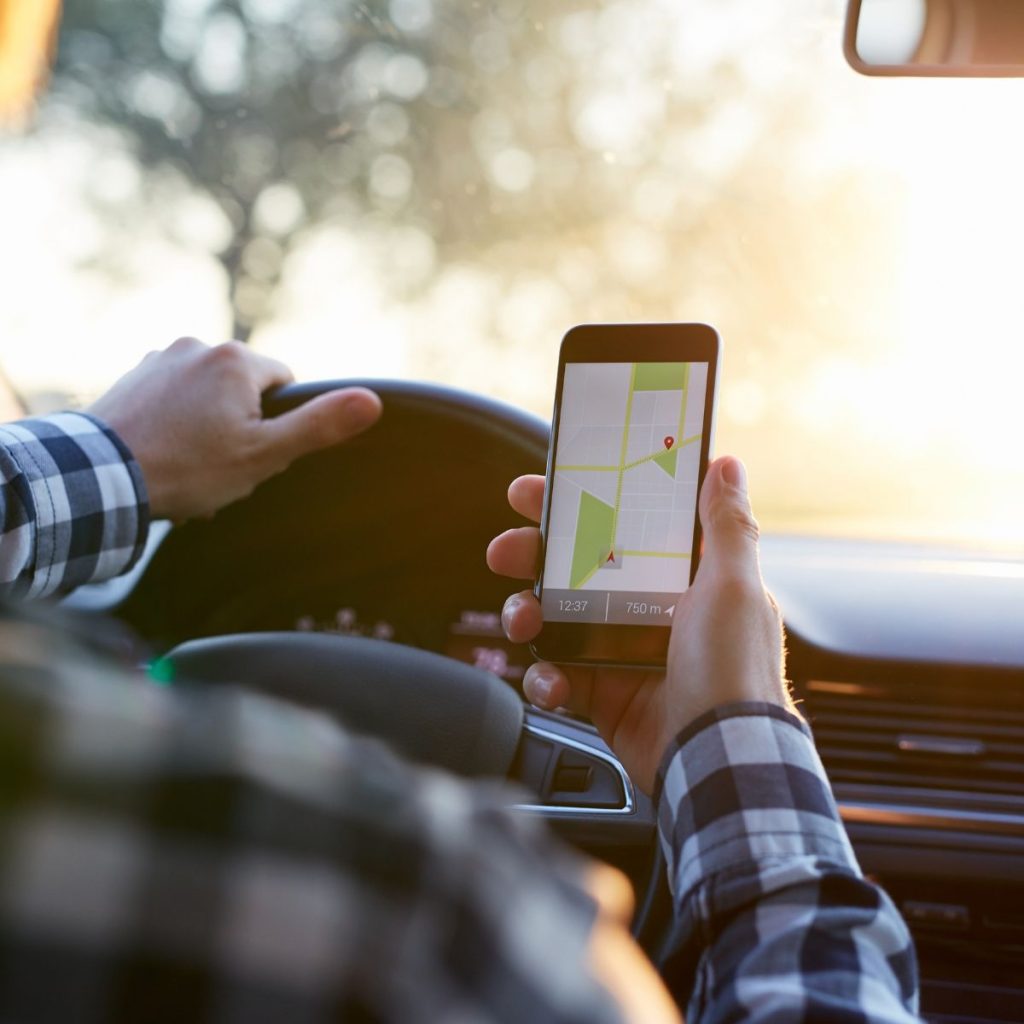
775	920
72	502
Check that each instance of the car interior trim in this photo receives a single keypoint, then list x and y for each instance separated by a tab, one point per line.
562	739
917	817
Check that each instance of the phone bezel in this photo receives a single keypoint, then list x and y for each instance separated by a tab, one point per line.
613	644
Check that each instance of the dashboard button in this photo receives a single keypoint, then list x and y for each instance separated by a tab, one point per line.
572	779
583	781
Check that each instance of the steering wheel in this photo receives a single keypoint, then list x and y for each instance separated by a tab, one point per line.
433	709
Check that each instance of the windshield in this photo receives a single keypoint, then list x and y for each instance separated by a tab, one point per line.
438	189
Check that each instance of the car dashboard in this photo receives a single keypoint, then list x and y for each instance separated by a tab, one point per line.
907	661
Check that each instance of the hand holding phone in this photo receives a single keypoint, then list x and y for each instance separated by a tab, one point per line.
726	636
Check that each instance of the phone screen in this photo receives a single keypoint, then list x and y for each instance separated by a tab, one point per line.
625	478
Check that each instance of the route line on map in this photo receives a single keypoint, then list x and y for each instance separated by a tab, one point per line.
656	455
635	554
686	395
657	554
628	465
622	452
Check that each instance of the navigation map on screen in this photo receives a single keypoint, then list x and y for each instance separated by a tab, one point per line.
620	526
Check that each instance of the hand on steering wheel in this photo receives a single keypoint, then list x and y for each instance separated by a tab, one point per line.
191	416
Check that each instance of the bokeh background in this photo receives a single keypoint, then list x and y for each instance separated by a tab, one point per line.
437	189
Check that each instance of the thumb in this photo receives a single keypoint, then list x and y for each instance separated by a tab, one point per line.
324	421
730	529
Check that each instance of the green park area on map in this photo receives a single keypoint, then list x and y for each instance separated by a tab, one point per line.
660	376
595	528
597	521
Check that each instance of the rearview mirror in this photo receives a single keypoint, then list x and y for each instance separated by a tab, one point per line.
970	38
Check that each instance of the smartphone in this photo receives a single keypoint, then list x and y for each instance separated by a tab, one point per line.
630	437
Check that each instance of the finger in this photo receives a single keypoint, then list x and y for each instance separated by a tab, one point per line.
551	687
526	496
267	372
321	422
546	686
521	617
515	553
262	371
730	529
185	345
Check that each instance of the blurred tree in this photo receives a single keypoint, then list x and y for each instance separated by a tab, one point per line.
281	111
245	99
469	123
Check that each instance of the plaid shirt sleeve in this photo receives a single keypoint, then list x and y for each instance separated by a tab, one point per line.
776	921
72	502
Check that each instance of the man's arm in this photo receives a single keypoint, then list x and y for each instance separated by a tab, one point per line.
775	920
180	436
73	505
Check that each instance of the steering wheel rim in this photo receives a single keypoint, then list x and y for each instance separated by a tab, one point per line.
506	423
432	710
426	422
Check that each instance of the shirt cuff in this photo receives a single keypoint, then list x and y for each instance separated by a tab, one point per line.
743	786
85	503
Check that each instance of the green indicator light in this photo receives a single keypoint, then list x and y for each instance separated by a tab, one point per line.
161	671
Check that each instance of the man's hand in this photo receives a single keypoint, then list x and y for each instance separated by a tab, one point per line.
191	417
726	641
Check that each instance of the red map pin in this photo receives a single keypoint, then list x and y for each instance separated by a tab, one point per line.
669	441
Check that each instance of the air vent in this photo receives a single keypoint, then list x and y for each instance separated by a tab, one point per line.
875	735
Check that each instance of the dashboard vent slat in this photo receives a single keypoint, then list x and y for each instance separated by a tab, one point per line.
941	746
880	734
